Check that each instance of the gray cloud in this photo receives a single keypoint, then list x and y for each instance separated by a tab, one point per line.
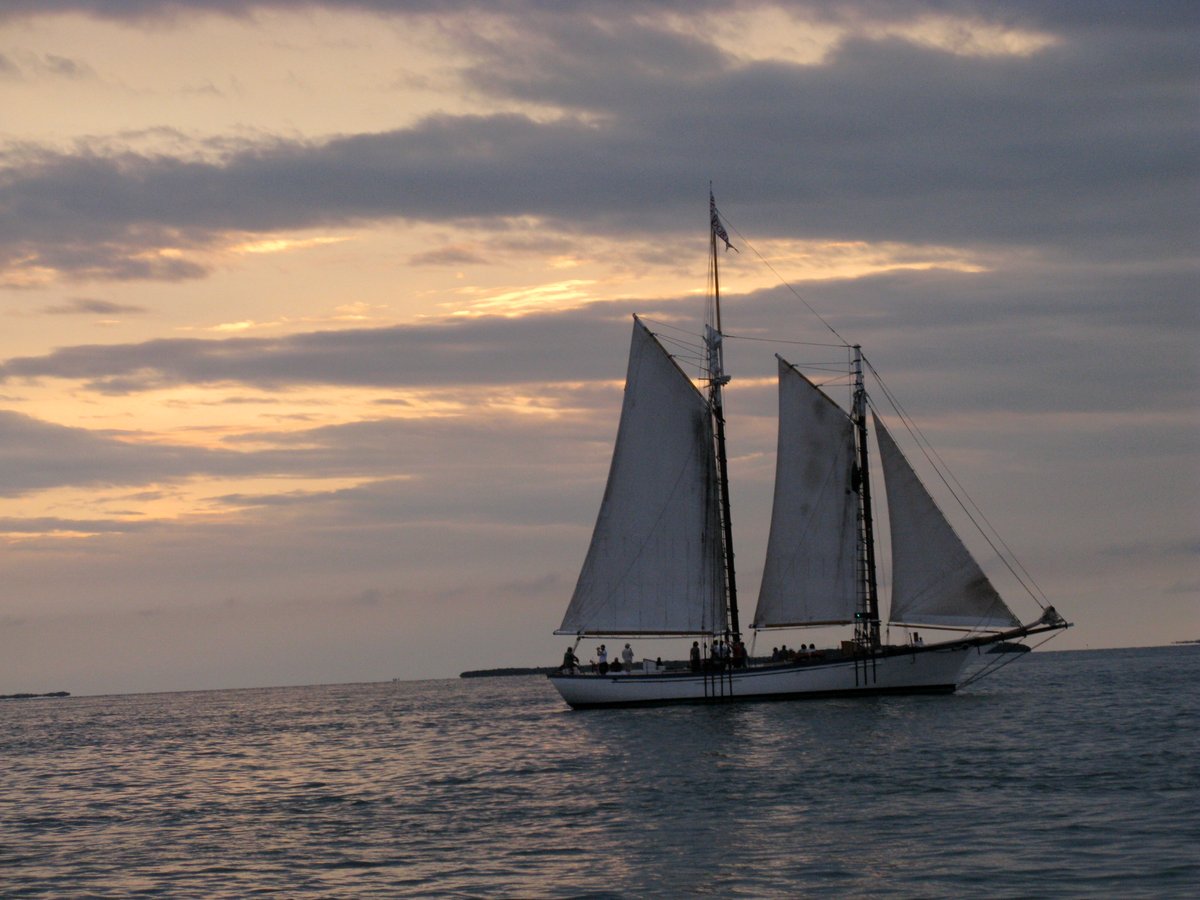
1091	145
1027	339
453	352
22	66
448	256
436	460
66	67
1097	14
54	525
86	306
35	455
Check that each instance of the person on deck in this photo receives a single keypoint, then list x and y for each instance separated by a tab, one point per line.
695	657
570	663
627	655
602	659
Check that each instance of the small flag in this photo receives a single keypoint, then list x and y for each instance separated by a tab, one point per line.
717	228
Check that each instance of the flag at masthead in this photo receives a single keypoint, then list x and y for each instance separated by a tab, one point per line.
717	228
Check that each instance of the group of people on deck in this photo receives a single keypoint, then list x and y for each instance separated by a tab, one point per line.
601	665
722	655
784	653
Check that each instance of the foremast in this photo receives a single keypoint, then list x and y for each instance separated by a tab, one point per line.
866	619
717	379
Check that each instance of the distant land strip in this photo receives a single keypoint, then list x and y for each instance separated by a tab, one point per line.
492	673
32	696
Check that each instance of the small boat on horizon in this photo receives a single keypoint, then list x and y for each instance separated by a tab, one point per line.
661	561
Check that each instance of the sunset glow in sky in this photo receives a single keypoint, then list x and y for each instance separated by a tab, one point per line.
315	314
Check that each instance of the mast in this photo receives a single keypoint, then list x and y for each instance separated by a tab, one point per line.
867	627
717	379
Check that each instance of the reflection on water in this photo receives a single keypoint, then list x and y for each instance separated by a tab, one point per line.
1066	773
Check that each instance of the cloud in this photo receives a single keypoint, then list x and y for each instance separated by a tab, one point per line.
29	66
35	455
1084	144
65	67
481	351
433	464
1066	14
45	525
449	256
84	306
1025	338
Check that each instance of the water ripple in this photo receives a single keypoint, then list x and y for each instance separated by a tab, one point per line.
1069	773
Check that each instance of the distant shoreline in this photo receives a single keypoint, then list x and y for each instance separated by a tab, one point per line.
34	696
492	673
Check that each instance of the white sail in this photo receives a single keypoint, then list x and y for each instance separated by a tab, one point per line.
809	576
655	563
935	580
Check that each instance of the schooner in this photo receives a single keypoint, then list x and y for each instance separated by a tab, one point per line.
661	559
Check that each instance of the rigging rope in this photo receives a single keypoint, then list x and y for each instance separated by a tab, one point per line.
1005	659
990	534
783	281
959	493
682	349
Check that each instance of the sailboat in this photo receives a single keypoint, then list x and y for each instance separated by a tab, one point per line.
661	560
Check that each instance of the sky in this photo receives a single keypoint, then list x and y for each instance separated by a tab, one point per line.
315	314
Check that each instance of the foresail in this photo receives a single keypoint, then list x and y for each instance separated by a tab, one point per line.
654	564
935	580
809	575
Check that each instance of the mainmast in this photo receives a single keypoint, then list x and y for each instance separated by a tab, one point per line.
717	379
866	628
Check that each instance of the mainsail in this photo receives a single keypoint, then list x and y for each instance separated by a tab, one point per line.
810	573
655	565
935	580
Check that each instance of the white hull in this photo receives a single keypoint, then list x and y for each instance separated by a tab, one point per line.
928	670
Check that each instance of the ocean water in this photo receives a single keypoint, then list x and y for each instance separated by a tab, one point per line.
1065	774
